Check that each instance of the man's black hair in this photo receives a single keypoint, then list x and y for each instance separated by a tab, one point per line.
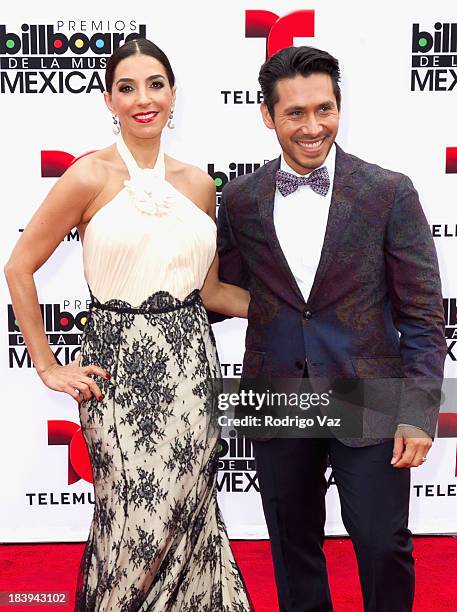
293	61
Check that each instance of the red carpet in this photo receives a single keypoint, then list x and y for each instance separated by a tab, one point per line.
41	567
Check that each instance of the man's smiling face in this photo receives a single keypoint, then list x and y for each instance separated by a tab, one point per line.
306	119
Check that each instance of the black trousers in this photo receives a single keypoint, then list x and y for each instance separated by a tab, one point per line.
374	504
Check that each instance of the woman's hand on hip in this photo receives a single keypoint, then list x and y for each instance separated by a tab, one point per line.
75	380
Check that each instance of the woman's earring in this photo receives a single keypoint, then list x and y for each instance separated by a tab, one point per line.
116	125
170	123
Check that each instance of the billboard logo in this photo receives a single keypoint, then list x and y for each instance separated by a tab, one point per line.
434	57
63	331
236	465
44	40
42	58
443	40
450	315
235	170
279	32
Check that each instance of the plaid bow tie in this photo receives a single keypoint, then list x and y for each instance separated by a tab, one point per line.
318	180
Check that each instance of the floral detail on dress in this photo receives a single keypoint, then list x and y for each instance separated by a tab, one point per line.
104	515
184	454
143	548
146	491
102	461
149	192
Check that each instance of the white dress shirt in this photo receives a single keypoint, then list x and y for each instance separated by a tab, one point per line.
300	220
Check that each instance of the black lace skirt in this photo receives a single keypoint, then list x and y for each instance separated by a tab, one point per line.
157	541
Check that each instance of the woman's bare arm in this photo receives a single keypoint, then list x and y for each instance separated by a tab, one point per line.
217	296
62	210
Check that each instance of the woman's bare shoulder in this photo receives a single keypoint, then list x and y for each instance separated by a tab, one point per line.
194	182
93	169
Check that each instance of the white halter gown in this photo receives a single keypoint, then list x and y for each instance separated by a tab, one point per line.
157	541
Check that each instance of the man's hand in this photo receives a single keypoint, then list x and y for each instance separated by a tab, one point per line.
411	446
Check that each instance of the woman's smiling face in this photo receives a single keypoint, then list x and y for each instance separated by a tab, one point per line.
141	96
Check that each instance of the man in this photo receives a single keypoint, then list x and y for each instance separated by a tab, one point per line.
344	282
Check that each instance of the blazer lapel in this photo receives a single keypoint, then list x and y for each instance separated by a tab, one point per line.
265	201
344	190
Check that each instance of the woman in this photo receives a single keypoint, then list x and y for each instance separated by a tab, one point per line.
157	541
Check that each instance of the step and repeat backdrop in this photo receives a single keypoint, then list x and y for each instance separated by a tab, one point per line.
399	76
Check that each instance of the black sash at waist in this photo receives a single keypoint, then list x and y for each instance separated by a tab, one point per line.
158	303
